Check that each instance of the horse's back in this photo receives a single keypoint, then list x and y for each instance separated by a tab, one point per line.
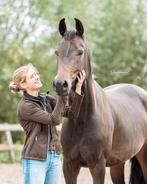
124	87
134	92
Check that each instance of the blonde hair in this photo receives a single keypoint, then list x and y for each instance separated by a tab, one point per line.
19	76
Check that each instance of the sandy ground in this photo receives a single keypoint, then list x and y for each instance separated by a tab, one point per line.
12	174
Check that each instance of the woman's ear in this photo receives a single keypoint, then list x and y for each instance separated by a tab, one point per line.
23	85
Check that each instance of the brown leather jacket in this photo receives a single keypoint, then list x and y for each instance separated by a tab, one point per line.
39	116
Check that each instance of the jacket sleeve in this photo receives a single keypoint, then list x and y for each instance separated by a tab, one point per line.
52	101
31	112
72	111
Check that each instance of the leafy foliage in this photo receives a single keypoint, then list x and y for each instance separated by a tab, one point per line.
116	32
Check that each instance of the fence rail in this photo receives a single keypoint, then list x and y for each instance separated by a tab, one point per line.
7	129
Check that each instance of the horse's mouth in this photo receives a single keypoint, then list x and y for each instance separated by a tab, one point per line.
62	93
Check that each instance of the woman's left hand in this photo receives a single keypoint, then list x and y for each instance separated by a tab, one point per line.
80	77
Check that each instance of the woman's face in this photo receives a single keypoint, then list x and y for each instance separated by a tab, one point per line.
32	82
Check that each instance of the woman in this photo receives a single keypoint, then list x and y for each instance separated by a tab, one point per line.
39	114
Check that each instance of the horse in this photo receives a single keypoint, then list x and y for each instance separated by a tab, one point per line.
112	124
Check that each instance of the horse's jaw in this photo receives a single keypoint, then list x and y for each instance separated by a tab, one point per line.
66	93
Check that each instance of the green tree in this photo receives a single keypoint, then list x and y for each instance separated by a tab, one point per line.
119	49
116	32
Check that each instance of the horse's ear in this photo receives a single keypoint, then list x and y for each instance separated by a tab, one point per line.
79	27
62	27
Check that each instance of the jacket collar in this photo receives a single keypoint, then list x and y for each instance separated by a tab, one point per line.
28	96
41	98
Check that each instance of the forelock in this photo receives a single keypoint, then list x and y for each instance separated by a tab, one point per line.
70	34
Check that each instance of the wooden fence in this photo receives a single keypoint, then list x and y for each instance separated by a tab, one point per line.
7	129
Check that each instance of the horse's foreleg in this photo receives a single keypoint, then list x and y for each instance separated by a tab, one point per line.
71	170
117	173
98	171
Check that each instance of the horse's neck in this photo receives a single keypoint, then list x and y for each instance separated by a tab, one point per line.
93	94
93	97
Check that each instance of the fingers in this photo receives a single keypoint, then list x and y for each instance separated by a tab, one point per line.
80	79
81	75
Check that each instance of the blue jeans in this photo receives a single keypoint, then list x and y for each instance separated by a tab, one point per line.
43	172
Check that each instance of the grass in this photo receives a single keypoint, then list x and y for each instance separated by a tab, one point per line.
5	158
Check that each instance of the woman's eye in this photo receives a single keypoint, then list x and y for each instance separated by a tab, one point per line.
38	74
34	75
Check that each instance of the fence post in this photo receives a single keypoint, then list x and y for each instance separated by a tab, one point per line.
10	145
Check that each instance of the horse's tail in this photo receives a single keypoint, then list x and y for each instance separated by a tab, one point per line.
136	174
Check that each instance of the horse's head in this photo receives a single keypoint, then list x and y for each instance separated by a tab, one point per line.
71	53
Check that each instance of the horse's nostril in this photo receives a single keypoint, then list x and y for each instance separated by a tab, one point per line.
60	86
65	85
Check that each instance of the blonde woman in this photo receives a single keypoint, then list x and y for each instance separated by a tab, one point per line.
38	114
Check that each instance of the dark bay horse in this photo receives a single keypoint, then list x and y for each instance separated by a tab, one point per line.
112	124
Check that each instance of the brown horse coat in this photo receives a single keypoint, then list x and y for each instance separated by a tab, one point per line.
112	124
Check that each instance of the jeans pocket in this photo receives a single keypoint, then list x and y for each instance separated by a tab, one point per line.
57	154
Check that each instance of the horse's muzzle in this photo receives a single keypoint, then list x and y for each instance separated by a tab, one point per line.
61	87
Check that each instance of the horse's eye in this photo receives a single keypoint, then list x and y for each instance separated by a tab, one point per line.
80	51
56	52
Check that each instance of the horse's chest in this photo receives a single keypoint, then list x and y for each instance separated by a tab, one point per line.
84	141
85	148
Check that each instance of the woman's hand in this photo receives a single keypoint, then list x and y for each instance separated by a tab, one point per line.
80	77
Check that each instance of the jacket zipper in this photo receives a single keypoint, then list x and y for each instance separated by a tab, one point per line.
47	131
